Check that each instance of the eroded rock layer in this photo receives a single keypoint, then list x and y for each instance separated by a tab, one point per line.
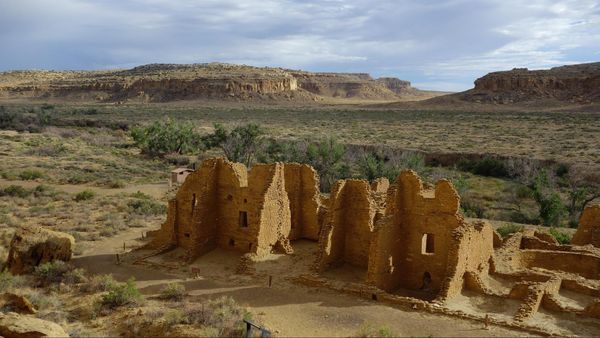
577	83
167	82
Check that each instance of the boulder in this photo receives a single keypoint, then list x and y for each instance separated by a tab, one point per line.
32	246
16	303
20	326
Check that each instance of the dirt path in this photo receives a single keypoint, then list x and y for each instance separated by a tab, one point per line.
156	190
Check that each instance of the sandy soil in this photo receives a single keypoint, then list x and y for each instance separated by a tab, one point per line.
285	308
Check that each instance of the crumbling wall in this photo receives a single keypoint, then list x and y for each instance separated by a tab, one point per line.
588	231
471	256
301	184
222	205
413	241
274	223
346	235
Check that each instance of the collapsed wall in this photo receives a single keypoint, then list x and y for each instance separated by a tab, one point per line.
588	231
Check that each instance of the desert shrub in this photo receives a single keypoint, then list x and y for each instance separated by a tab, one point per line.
166	136
48	150
99	283
31	121
177	159
8	120
146	207
30	174
487	166
561	170
43	190
473	209
121	294
374	165
57	272
508	229
461	185
8	281
115	184
561	237
84	195
367	330
223	315
15	191
173	291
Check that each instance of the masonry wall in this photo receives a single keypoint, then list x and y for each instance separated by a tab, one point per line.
223	205
588	231
401	257
301	184
348	225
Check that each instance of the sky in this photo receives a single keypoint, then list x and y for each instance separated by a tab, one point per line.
437	45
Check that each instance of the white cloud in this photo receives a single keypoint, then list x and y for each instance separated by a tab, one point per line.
438	45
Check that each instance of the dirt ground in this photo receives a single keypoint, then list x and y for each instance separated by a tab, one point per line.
285	308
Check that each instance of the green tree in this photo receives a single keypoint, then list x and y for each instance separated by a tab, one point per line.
166	136
550	206
326	157
239	145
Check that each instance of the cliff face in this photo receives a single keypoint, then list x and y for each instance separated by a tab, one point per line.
165	82
577	83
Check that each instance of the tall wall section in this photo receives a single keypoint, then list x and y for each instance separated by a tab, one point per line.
346	235
412	242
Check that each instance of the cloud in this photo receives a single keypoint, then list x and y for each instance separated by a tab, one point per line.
436	44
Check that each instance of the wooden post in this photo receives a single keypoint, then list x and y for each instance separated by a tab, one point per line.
118	260
270	280
124	247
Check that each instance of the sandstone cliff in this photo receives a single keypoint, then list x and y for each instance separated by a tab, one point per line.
574	83
167	82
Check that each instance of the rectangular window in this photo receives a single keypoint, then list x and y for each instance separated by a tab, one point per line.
243	219
427	244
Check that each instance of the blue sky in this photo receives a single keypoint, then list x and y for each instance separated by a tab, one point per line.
441	45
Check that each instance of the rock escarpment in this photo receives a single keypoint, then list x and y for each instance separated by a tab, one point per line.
168	82
575	83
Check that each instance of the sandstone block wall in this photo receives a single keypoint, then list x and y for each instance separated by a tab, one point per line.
417	239
588	231
348	226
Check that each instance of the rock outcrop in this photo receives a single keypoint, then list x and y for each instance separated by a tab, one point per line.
32	246
575	83
168	82
14	325
16	303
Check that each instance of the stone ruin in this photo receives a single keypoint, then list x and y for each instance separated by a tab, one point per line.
410	243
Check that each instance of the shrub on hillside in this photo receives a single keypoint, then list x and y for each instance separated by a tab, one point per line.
173	291
84	195
121	294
